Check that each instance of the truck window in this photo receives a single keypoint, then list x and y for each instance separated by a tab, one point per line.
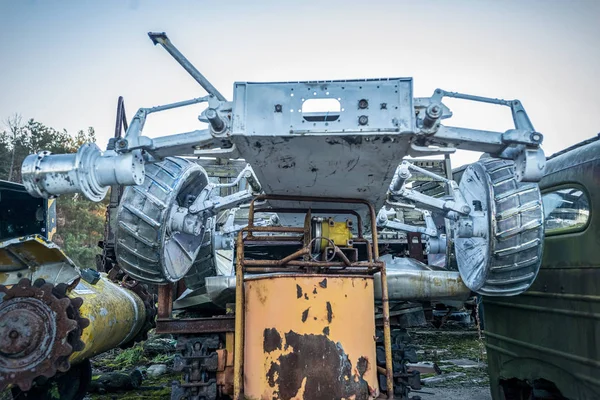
566	210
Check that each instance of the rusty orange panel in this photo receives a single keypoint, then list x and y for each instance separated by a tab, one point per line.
310	337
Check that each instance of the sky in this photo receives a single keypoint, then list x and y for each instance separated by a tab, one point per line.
65	63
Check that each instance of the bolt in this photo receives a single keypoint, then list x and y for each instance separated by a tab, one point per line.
13	334
363	120
466	209
362	104
278	108
383	106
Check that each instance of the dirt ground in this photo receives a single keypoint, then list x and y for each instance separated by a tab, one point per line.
459	353
463	393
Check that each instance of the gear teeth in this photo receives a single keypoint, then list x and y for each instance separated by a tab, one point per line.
64	304
47	292
77	302
69	327
63	364
48	372
39	283
83	323
73	326
24	283
78	345
60	290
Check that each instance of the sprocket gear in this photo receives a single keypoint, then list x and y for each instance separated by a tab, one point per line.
40	327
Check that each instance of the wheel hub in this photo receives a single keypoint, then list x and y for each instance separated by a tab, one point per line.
26	325
39	329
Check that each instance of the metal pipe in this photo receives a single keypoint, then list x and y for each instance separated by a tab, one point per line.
293	256
387	335
88	171
161	37
238	350
340	254
328	270
407	284
165	301
274	229
311	264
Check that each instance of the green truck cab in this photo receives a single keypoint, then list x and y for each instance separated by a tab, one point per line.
545	343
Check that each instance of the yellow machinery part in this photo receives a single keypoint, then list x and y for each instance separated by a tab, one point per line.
309	336
116	316
338	232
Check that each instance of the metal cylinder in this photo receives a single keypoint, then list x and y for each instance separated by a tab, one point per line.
400	177
309	336
432	114
405	285
215	120
116	316
87	172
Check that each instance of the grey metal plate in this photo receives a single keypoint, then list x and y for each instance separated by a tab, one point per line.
323	153
256	110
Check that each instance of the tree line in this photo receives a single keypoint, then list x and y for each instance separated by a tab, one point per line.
80	222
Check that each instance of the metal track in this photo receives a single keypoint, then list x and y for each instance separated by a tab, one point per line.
198	362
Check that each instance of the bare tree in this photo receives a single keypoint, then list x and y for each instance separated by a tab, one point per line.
15	126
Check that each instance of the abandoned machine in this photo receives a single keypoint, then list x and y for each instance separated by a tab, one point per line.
287	237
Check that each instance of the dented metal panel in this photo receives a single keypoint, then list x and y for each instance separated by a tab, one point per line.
309	337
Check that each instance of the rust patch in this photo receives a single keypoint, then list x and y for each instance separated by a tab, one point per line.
271	340
323	283
305	314
261	296
325	367
271	373
298	291
315	291
329	312
305	296
326	331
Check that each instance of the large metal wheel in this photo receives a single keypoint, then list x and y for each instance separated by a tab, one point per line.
146	247
505	260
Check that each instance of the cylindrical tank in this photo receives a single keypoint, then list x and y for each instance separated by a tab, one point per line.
309	337
116	316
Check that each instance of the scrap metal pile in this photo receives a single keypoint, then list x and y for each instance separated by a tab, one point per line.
311	153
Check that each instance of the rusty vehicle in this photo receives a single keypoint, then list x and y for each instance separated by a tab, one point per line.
55	316
549	350
283	279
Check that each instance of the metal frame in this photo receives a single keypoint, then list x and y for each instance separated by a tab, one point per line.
290	264
188	326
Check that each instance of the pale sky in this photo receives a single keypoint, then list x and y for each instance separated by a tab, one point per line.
65	63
